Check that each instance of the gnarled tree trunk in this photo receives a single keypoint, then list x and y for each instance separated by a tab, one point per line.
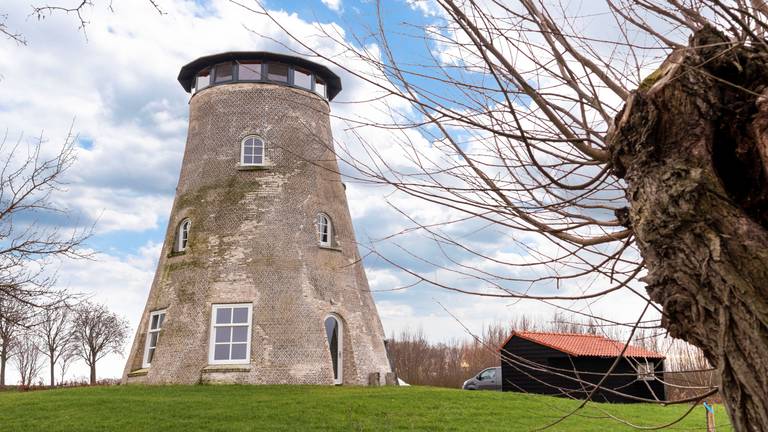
692	145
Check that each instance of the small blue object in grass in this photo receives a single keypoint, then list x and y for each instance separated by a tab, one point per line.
709	408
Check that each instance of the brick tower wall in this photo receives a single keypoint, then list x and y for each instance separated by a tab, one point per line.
253	239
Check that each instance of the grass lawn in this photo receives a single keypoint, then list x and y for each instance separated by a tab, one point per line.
316	408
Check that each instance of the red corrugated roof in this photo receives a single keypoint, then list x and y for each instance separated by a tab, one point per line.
584	345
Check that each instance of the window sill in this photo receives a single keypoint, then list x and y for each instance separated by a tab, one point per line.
138	372
222	368
331	248
253	167
176	253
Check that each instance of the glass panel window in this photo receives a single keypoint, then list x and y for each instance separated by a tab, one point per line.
223	334
277	72
302	78
645	372
249	71
156	320
224	316
222	352
320	87
182	236
203	79
239	334
230	334
223	72
252	151
240	315
333	333
324	229
238	351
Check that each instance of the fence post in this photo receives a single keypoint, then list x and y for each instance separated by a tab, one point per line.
710	412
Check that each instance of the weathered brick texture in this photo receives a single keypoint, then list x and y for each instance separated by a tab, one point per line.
253	239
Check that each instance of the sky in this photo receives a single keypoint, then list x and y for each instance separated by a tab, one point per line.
114	85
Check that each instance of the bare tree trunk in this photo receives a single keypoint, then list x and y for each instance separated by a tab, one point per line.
53	375
692	145
93	373
3	361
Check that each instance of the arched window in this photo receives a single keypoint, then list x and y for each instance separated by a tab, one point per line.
334	332
252	151
324	230
182	236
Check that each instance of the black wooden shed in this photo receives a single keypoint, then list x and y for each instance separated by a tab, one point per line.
567	364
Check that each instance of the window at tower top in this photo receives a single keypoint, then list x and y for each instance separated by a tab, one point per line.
273	68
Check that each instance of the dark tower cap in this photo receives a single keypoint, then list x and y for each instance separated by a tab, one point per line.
190	70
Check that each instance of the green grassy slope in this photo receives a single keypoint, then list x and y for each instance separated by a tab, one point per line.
315	408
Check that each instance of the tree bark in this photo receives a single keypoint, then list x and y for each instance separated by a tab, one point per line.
692	146
93	373
53	377
3	360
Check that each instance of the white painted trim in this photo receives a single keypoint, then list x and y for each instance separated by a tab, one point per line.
145	360
212	333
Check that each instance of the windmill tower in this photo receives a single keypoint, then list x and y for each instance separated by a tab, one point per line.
259	280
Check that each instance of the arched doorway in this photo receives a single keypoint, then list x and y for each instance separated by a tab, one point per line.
334	332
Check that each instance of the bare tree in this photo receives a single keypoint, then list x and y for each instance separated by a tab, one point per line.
56	336
68	356
97	332
540	123
13	315
30	174
27	357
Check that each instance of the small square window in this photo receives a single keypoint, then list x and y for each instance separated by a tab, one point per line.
224	316
239	334
277	72
222	352
238	351
240	315
249	71
645	372
223	334
223	72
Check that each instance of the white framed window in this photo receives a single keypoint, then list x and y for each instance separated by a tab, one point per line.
324	230
156	320
334	332
252	151
645	371
230	334
182	236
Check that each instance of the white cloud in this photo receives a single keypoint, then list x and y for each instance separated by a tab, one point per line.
334	5
428	8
